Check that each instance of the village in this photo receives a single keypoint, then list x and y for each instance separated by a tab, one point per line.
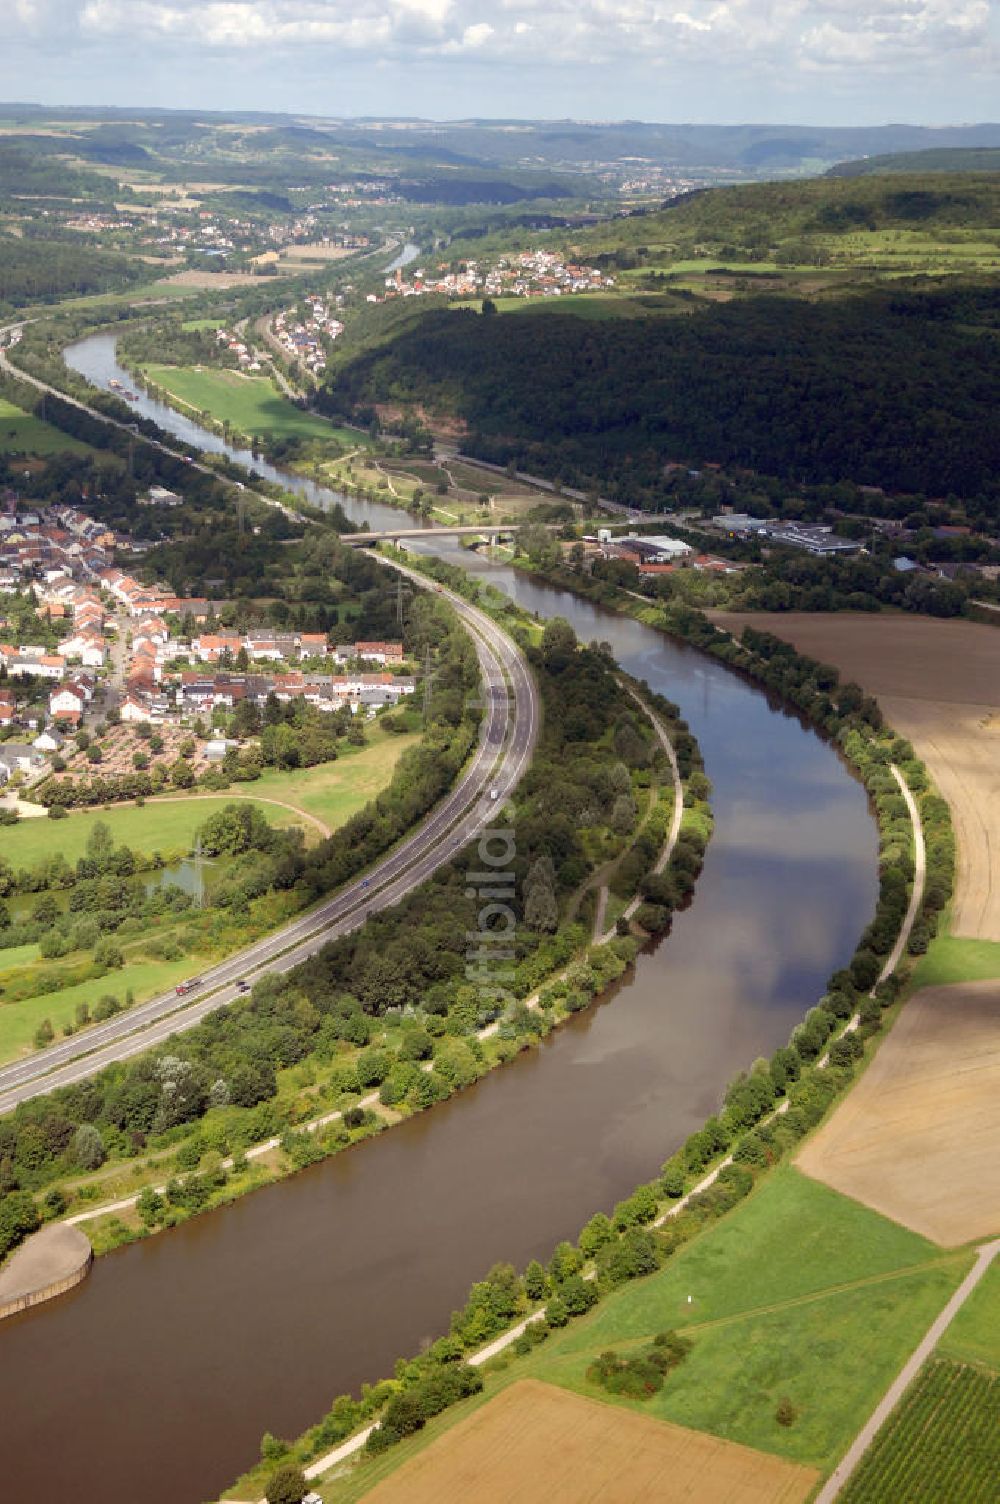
532	274
303	333
121	657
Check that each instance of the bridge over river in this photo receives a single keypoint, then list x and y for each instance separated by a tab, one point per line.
489	532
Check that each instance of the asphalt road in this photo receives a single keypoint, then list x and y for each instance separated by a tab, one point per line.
507	737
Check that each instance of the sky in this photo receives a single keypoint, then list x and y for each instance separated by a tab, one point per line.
822	62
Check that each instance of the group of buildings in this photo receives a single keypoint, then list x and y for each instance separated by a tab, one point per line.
159	687
808	537
362	693
658	554
246	358
303	335
532	274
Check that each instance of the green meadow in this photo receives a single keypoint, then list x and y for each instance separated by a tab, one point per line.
252	404
23	433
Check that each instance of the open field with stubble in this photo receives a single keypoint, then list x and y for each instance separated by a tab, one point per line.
938	683
918	1138
540	1445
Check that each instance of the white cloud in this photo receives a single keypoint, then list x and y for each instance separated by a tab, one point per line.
793	37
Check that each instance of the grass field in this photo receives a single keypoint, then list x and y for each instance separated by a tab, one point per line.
798	1293
813	1298
918	1138
330	793
942	1446
250	403
23	433
19	1021
334	791
950	959
596	306
540	1445
974	1335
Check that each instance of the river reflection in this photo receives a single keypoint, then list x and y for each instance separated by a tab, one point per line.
157	1377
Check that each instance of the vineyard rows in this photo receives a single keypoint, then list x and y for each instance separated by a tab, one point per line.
942	1446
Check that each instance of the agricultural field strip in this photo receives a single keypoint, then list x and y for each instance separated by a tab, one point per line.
938	683
887	1276
911	1368
942	1443
498	761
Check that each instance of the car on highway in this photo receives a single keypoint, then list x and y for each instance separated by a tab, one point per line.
242	986
494	793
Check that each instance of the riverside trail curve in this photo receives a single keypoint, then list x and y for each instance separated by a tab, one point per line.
507	737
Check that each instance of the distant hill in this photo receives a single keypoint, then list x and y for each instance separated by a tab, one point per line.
951	159
744	222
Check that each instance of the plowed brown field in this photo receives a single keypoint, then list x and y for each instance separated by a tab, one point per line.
535	1444
918	1137
938	683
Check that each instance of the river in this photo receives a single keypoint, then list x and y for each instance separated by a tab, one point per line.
155	1379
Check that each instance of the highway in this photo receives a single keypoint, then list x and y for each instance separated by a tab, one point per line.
507	737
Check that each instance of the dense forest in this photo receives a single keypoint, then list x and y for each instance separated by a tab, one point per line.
895	389
34	271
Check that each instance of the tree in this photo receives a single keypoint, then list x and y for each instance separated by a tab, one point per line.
623	814
556	1313
181	774
535	1282
558	641
44	1034
786	1413
541	912
88	1147
287	1485
596	1234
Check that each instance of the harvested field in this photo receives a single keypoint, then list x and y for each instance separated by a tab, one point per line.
938	683
535	1444
918	1138
315	251
220	280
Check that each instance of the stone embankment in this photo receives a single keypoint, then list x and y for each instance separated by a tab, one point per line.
48	1264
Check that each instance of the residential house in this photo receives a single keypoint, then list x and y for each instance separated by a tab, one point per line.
18	757
67	703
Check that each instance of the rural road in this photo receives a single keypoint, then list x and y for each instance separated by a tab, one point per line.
859	1446
507	737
